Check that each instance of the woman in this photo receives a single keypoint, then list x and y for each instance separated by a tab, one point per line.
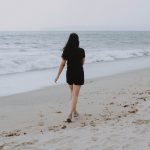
75	57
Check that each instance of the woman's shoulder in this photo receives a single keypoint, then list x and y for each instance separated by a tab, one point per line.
81	49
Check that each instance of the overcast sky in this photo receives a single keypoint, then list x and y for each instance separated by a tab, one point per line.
75	14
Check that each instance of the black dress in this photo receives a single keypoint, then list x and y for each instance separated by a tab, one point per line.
75	72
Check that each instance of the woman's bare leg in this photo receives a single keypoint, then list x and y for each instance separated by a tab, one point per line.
71	89
75	94
74	99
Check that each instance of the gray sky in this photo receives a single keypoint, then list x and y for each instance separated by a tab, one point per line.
75	14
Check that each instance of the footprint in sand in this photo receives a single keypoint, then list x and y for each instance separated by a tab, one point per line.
141	93
83	124
92	123
57	127
88	115
23	144
148	92
111	103
140	122
126	106
58	112
29	142
41	122
1	147
142	98
12	133
41	115
133	111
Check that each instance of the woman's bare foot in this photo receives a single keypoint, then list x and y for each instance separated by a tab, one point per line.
69	118
76	114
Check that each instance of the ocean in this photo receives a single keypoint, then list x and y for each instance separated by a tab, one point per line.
30	60
22	51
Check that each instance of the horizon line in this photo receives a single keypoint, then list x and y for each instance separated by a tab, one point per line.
67	30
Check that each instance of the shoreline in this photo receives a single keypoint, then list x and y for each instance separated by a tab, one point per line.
65	84
45	78
109	108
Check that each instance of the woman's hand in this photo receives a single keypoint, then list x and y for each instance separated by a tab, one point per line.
61	67
56	79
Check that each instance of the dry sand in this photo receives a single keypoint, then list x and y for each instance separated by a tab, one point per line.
114	115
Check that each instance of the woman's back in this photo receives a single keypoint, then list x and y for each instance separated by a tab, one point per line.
74	59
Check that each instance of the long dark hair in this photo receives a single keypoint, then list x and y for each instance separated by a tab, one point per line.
72	43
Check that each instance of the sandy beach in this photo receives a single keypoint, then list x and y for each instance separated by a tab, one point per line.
114	115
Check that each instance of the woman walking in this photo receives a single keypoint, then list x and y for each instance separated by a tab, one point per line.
75	57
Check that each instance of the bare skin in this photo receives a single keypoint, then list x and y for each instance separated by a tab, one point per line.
74	90
61	67
74	99
71	89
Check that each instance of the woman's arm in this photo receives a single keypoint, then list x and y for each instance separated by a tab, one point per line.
61	67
